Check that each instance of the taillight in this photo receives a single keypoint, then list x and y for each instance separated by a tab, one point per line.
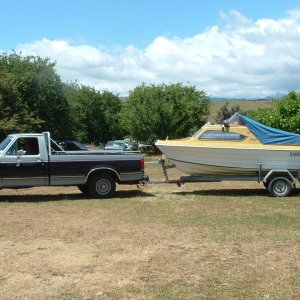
143	164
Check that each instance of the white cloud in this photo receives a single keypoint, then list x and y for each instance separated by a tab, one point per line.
243	58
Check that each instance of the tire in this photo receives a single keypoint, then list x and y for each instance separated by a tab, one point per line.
266	185
83	188
102	186
280	187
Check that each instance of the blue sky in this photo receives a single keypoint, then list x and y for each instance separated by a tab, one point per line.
117	44
121	22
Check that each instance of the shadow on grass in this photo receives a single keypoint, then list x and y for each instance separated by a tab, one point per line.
235	193
79	196
226	192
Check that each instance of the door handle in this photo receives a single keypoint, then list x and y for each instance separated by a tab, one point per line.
18	162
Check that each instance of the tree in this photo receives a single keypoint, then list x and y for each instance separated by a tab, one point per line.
95	114
285	115
160	111
38	88
15	115
225	112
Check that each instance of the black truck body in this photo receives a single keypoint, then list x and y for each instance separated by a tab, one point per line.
28	160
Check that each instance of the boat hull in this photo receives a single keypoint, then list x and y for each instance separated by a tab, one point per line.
212	161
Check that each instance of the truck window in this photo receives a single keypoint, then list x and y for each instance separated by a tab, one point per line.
29	145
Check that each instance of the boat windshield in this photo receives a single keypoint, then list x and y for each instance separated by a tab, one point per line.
5	142
235	119
197	132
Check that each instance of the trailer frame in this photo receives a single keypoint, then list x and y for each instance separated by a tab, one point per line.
278	182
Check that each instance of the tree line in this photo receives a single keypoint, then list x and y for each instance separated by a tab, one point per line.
33	98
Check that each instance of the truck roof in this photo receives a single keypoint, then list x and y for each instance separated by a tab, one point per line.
26	134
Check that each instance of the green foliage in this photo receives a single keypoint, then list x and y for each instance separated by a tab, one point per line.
225	112
37	92
285	115
158	111
15	115
94	114
33	99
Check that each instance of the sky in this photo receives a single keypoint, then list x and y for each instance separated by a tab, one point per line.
233	49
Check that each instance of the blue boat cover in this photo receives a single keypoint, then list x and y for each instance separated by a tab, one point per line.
265	134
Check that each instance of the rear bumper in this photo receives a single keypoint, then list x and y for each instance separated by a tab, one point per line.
133	176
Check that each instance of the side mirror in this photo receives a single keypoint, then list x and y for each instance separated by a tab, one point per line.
20	153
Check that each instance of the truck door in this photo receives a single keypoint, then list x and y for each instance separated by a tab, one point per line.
24	164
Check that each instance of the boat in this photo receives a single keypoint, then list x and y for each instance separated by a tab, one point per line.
239	147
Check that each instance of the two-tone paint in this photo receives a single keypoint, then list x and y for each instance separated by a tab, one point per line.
200	157
52	168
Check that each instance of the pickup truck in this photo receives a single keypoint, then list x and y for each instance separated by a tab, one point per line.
28	160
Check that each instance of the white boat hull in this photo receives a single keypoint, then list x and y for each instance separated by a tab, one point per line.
207	161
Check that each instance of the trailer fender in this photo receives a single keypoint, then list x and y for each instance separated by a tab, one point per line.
278	173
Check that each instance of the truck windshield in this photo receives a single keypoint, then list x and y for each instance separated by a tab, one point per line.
5	142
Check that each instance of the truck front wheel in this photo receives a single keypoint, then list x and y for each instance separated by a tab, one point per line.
102	186
280	187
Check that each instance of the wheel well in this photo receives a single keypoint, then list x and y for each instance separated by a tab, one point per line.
278	173
108	171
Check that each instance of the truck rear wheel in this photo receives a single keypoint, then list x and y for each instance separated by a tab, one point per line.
280	187
102	185
83	188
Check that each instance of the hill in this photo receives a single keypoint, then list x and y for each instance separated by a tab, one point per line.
245	105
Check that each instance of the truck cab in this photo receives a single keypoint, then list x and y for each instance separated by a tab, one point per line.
24	161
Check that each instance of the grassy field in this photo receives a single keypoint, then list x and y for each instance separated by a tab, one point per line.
200	241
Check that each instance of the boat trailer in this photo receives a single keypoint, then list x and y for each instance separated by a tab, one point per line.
279	183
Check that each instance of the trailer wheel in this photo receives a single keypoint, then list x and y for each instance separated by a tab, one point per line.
102	186
280	187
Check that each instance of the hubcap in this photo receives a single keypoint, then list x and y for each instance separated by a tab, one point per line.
280	187
103	186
